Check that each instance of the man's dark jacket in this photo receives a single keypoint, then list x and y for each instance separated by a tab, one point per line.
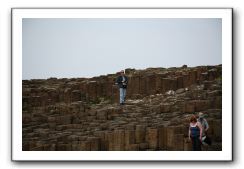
120	83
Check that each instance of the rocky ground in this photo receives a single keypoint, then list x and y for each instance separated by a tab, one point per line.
84	114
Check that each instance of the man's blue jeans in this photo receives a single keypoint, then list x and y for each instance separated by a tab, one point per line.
122	94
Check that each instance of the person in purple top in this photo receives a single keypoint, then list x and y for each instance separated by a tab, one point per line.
195	133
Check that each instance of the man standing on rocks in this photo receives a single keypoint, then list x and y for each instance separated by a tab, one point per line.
205	139
122	81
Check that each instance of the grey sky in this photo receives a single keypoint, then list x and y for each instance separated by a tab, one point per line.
92	47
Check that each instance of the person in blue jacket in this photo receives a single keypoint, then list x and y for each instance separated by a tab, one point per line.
122	82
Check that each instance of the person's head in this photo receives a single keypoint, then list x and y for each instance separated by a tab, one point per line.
193	119
200	115
122	72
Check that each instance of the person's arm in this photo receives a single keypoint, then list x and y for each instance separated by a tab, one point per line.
206	124
117	81
200	127
189	133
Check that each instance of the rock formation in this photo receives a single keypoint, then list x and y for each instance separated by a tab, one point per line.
83	113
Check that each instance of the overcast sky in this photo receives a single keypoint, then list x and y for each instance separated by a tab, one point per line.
66	48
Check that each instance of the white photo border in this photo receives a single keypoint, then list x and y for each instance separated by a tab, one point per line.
16	51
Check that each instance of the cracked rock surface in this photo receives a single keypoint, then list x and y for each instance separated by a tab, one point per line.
82	114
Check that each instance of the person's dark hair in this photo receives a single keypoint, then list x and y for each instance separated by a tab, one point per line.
193	119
